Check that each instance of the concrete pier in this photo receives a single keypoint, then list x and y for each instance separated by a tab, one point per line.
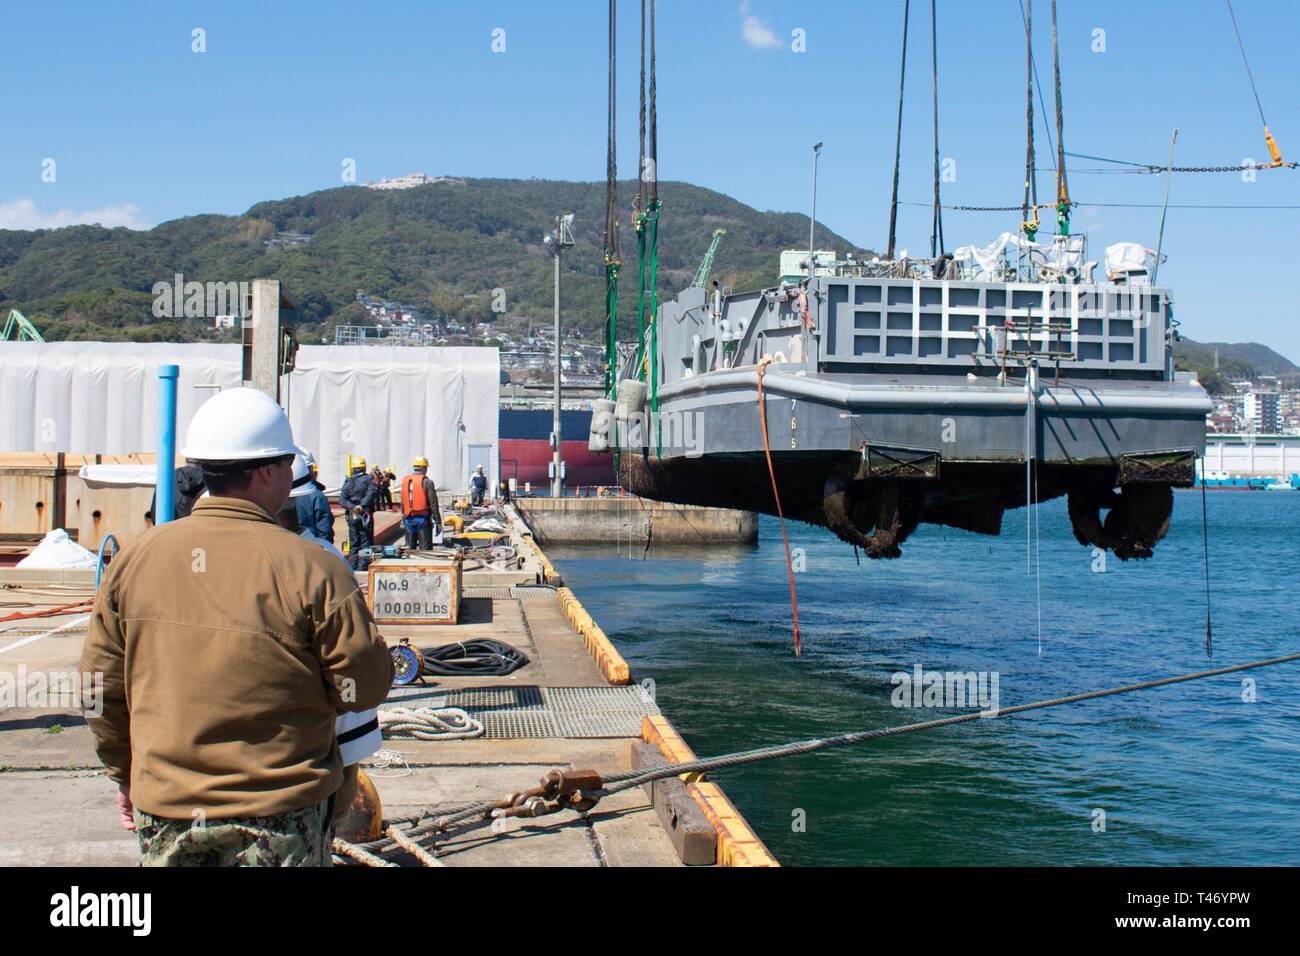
572	706
638	521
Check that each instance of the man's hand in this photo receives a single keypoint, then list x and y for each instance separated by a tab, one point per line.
124	807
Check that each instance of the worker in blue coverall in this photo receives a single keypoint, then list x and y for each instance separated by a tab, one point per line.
358	500
313	508
478	486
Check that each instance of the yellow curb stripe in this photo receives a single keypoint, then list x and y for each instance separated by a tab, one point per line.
602	650
738	845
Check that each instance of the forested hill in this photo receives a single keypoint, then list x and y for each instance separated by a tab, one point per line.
441	247
1236	361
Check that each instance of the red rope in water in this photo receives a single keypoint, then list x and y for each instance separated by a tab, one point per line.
767	451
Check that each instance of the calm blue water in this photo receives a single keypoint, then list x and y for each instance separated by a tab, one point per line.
1188	774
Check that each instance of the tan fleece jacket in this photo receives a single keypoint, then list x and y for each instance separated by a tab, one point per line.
228	645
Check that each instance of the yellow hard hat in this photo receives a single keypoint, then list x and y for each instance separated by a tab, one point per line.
358	462
420	462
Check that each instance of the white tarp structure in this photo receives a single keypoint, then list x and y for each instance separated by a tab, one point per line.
1126	259
986	263
387	404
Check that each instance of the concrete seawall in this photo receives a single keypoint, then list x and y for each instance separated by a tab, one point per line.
628	518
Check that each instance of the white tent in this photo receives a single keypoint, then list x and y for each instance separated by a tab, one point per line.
387	404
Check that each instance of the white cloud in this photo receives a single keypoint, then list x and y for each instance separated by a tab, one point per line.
755	32
23	214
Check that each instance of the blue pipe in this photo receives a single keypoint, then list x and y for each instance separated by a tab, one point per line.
165	508
103	546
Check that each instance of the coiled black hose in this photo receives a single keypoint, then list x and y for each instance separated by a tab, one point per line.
480	657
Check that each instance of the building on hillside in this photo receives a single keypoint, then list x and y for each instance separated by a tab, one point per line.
1262	412
412	180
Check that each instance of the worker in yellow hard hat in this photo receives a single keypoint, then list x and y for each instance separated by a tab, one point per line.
383	491
419	499
358	500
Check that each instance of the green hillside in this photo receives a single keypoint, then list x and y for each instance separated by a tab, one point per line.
441	247
1237	360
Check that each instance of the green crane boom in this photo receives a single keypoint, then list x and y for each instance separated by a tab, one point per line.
17	327
706	264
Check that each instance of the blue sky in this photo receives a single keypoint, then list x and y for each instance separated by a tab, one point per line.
143	130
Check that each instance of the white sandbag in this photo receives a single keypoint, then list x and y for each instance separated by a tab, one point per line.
57	550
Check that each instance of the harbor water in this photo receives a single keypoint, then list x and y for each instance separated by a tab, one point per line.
1200	773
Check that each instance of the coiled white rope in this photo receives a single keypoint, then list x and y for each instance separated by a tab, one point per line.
429	723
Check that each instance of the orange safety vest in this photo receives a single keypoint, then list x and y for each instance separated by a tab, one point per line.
414	499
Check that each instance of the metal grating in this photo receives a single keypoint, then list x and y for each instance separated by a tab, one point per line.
502	593
534	712
506	712
524	592
600	711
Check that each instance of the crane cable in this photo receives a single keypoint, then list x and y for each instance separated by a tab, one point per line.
1274	150
898	139
613	256
652	241
1029	226
776	494
1062	185
936	229
638	220
1038	85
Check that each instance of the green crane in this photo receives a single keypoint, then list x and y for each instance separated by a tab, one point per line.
706	264
17	327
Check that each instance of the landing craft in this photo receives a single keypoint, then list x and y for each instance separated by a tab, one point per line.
895	398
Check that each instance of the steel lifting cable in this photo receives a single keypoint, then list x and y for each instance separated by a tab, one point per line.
1249	75
936	228
1051	148
1205	545
1027	225
470	816
652	240
1062	184
767	452
898	138
613	255
638	219
626	779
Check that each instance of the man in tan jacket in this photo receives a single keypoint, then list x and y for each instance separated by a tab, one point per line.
228	646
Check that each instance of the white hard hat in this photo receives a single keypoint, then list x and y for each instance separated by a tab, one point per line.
239	424
302	481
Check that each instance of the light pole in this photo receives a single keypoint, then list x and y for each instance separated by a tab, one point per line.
812	219
556	241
